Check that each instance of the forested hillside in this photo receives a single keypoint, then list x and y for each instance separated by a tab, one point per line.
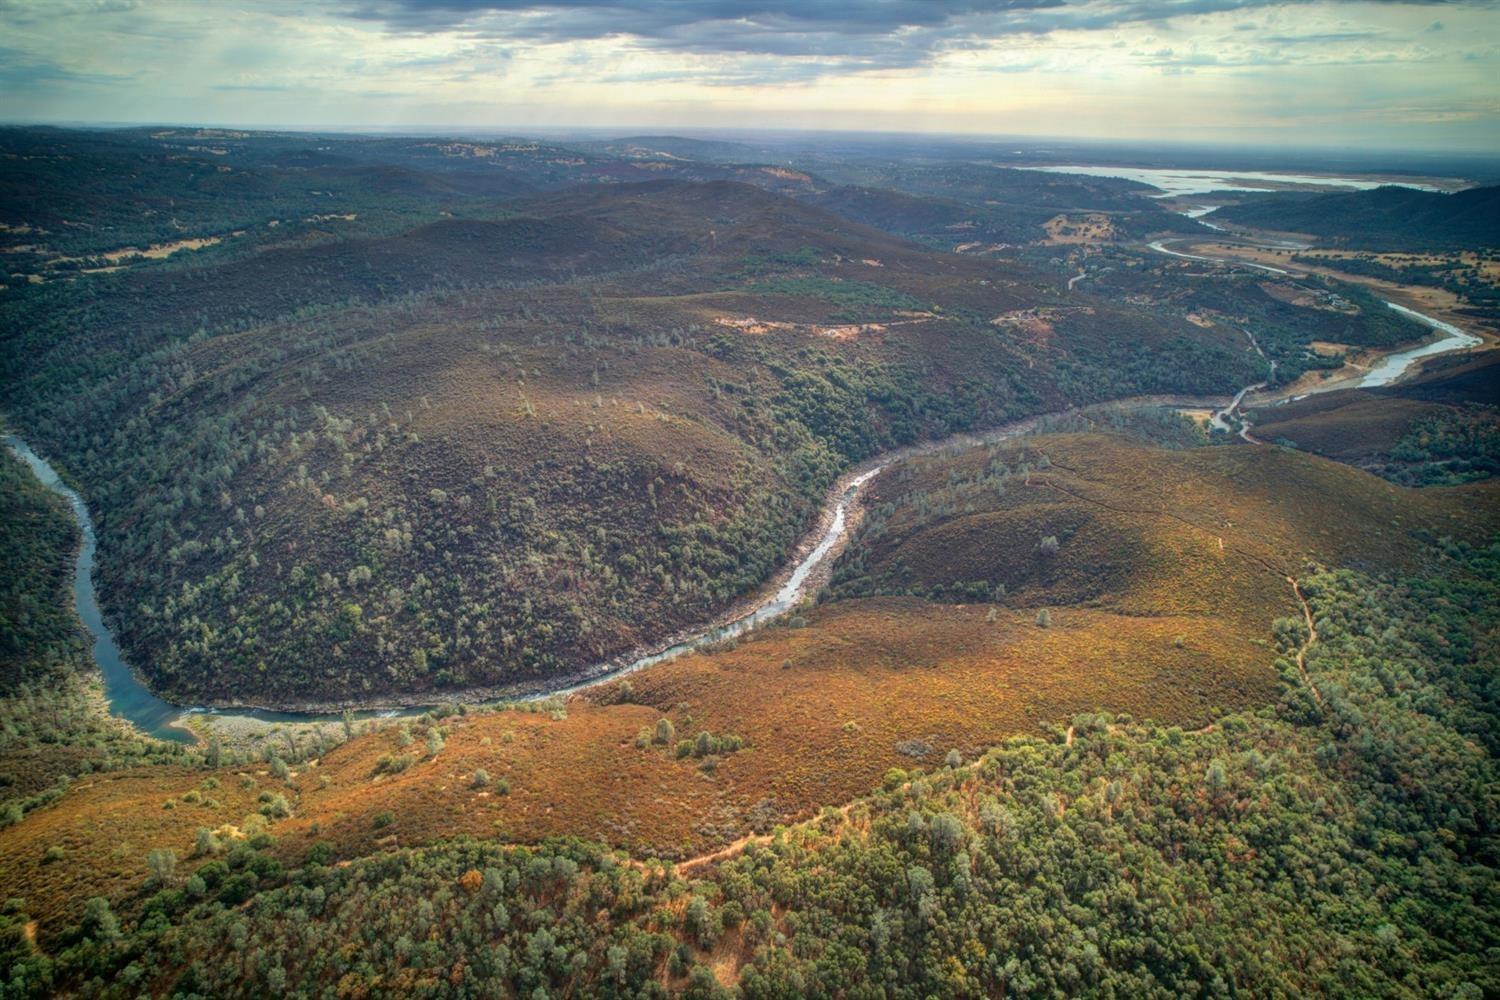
1387	218
1117	707
431	420
52	724
1338	841
550	437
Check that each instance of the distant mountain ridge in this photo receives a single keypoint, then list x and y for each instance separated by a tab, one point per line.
1386	217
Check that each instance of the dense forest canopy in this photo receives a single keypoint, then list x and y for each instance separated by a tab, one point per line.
504	443
1399	218
1331	842
1180	680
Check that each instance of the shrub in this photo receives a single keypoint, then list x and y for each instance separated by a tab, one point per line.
914	748
205	842
163	866
276	807
383	819
706	744
386	764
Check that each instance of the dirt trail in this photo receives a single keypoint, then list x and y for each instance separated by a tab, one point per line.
735	848
730	850
1312	637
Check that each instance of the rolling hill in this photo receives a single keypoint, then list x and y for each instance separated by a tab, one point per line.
481	453
1194	615
1440	428
1398	218
1116	706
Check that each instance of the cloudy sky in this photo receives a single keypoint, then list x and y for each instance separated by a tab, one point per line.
1319	72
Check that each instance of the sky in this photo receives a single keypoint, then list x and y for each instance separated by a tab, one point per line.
1386	75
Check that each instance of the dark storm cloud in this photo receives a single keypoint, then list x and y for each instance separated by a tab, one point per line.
859	34
833	35
21	70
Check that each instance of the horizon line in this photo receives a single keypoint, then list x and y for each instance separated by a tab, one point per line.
683	131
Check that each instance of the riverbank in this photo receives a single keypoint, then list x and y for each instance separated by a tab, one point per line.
1431	302
1383	368
800	579
127	695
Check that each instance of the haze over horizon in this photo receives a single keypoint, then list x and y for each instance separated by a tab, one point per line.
1417	76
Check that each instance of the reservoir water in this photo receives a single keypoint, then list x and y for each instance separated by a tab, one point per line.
1180	183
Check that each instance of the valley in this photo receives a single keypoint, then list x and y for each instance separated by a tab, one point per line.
635	567
787	588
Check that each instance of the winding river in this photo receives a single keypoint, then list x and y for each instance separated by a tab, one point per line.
809	570
1393	366
128	698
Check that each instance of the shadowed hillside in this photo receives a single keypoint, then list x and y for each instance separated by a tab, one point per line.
1439	429
482	453
1385	218
1169	577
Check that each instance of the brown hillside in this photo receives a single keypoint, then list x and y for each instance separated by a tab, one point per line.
1358	425
490	453
1169	625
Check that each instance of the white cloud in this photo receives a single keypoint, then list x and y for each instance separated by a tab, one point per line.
1313	72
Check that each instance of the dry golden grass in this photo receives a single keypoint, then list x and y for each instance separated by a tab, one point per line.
1150	616
108	823
1090	227
1440	303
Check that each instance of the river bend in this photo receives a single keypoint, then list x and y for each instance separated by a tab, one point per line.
130	699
